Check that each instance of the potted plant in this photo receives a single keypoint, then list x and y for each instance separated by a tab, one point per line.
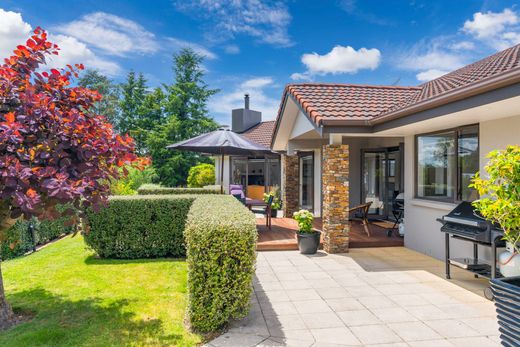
277	200
500	203
308	237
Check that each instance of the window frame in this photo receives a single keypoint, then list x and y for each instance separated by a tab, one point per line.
457	177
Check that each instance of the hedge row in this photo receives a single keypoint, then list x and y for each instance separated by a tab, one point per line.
19	238
154	189
139	226
220	237
220	240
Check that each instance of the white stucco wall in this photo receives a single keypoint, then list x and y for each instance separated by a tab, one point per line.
422	231
226	172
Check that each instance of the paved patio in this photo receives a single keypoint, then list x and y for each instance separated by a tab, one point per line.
372	297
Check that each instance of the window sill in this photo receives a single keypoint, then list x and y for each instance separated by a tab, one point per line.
438	205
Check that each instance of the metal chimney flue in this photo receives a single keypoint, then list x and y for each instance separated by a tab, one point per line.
246	101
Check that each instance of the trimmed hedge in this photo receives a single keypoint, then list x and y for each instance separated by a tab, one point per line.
220	240
154	189
139	226
19	239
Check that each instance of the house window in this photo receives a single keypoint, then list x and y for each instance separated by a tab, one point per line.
446	162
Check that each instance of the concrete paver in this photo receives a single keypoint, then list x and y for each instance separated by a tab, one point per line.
364	298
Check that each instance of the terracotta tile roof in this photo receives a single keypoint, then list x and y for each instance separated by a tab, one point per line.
261	133
492	66
349	102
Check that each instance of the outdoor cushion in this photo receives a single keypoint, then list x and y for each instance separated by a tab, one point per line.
235	187
238	192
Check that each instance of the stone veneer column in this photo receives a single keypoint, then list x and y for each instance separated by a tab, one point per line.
335	182
291	182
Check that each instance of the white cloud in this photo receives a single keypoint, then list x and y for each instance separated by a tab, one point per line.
339	60
301	76
499	30
222	103
462	46
486	25
199	49
433	58
110	33
267	21
429	75
73	51
231	49
15	31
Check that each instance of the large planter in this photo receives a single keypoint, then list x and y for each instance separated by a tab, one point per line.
507	302
274	213
308	243
509	262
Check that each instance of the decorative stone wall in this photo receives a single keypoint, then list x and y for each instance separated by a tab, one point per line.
291	182
335	182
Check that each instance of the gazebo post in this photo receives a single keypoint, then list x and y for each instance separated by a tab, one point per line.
222	174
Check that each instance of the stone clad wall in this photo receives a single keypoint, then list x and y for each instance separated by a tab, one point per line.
335	182
291	182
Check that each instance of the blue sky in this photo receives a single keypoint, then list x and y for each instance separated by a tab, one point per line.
260	46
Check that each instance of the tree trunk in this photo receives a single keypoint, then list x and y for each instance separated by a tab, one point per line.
6	313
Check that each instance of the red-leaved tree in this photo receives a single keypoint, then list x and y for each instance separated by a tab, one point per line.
54	149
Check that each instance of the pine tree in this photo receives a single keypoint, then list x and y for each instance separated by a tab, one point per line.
108	106
133	93
186	115
150	115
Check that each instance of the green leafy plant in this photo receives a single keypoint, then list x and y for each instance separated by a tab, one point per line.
500	192
304	219
220	244
201	175
277	199
128	185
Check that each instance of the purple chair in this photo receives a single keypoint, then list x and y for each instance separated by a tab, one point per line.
235	189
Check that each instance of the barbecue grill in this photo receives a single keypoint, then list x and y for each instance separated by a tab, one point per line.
466	224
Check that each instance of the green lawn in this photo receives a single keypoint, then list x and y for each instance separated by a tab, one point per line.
78	300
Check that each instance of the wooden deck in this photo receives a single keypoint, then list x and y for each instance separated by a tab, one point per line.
282	235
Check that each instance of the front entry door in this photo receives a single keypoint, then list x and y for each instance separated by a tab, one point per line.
307	181
381	179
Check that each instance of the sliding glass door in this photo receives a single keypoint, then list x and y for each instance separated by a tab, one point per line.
381	179
257	175
307	181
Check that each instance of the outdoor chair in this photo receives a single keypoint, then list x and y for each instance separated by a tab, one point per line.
237	189
238	196
267	211
363	210
397	211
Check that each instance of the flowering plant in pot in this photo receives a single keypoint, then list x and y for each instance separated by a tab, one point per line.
308	238
277	200
500	203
